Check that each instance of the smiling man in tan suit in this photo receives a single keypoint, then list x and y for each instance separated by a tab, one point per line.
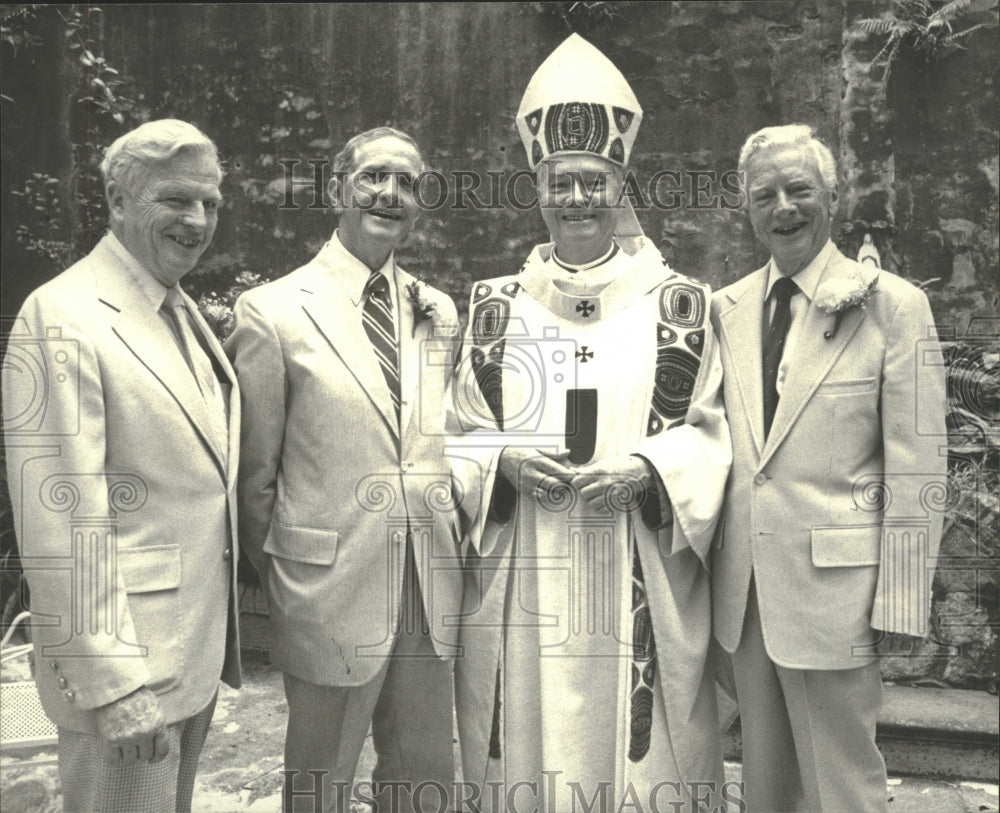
121	422
345	493
834	388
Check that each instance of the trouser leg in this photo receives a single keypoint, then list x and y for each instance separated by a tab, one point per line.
327	726
413	721
89	782
771	780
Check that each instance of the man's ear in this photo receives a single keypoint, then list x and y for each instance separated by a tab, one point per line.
834	201
115	194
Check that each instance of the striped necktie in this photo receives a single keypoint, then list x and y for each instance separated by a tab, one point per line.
381	330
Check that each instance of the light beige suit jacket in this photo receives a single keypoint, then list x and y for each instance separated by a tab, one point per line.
838	512
329	485
124	501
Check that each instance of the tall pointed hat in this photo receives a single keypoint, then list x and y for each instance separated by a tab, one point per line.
578	102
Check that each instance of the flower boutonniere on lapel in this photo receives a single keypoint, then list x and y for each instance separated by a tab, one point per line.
837	295
424	308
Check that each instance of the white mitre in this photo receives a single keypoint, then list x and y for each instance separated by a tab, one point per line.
578	102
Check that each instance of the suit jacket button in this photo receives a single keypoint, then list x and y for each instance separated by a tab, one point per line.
227	554
61	683
54	665
70	696
760	479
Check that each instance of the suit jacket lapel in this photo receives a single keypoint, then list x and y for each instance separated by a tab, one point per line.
812	357
148	337
742	331
328	304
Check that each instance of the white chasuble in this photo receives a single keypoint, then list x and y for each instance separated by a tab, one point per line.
586	628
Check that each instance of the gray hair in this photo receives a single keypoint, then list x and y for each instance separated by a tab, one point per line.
127	158
791	135
345	160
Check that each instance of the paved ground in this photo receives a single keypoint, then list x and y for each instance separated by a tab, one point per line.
240	765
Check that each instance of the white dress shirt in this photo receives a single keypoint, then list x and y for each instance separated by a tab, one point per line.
355	274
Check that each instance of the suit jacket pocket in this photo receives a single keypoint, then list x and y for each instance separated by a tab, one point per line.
846	386
152	576
297	543
847	546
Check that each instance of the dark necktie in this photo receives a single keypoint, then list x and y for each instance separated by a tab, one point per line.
774	345
381	330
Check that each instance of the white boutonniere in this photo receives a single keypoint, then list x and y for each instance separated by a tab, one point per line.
424	309
837	295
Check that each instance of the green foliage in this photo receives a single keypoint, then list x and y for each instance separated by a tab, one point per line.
925	30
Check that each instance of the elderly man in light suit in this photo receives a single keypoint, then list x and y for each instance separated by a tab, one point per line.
834	388
121	421
345	492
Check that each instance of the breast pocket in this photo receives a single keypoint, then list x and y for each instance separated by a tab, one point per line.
152	577
851	407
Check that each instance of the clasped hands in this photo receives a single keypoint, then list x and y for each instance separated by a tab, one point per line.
532	472
133	729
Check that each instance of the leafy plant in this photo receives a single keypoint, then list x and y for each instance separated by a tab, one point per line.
15	28
927	31
102	82
218	308
41	232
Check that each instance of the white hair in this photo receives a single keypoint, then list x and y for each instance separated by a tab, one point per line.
151	143
791	135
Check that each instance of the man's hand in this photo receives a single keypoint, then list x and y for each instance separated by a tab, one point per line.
617	482
133	728
527	469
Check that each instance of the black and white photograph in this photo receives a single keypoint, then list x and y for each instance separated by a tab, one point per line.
511	407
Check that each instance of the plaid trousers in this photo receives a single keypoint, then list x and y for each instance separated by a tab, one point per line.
91	784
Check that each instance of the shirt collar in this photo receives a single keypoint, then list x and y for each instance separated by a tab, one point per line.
576	268
353	273
808	278
152	289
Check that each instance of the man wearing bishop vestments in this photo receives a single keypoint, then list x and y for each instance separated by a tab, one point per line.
593	456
